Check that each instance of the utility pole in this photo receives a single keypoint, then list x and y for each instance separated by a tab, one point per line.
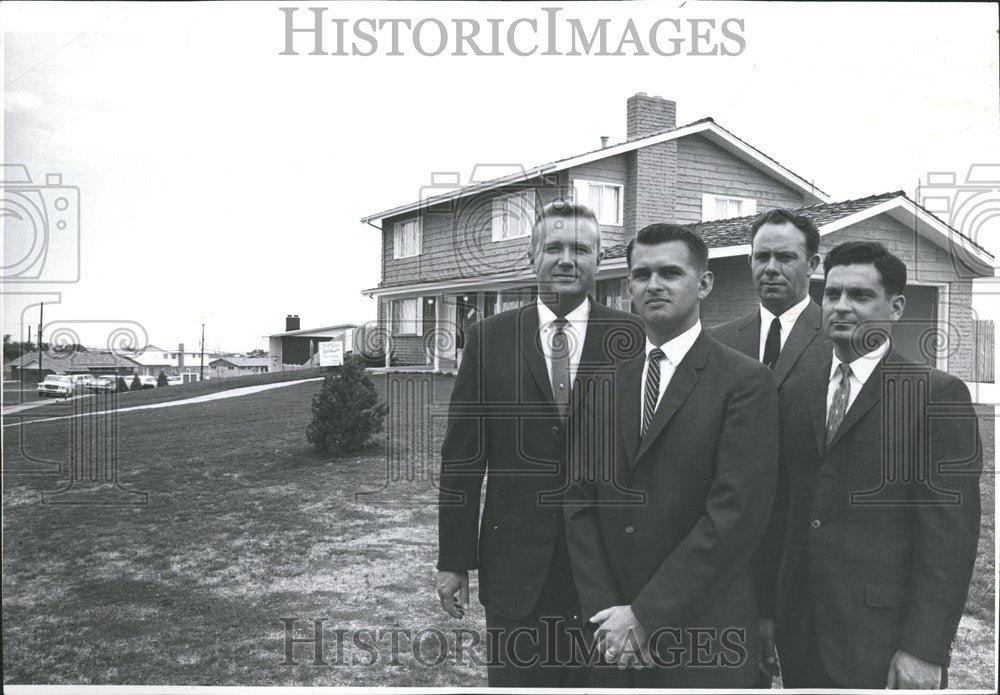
41	313
201	371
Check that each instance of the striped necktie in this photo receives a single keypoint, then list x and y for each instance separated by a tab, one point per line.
651	393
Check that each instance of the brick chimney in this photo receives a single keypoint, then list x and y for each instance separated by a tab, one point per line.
180	356
292	322
650	171
646	114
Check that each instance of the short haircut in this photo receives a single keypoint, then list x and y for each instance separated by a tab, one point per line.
661	233
890	267
561	208
800	222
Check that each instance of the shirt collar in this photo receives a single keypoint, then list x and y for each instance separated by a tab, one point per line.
863	366
676	348
787	319
577	318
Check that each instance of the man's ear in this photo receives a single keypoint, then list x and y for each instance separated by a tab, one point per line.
898	305
705	284
813	263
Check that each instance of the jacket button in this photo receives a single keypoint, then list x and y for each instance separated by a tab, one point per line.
555	431
555	517
527	588
815	523
630	530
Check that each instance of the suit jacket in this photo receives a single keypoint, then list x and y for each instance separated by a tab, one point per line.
668	524
882	526
805	348
503	424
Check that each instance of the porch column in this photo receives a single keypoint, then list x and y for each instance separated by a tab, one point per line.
388	331
438	318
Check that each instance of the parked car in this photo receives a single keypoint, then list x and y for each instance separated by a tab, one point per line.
175	380
147	382
101	383
57	385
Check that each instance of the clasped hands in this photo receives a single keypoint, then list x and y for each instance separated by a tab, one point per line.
621	638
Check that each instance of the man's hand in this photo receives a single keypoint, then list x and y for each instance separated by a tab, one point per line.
908	672
768	664
621	636
448	583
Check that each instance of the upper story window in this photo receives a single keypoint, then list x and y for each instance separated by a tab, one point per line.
406	239
605	199
513	215
724	207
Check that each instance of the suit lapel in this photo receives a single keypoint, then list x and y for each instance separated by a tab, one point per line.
870	394
681	384
804	331
748	336
531	349
593	342
817	402
628	392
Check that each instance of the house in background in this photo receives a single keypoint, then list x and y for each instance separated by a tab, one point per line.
154	359
98	363
238	366
297	347
455	258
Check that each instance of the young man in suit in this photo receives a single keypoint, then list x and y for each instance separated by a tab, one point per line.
784	333
881	460
509	412
662	530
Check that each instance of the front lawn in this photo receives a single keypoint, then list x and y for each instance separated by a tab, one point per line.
245	526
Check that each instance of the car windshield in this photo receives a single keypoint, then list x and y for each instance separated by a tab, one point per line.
59	378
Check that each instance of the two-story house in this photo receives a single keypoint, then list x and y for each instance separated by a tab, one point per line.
451	259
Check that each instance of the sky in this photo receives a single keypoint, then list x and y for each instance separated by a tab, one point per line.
222	183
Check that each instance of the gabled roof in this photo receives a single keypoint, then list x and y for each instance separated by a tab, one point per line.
732	236
237	361
313	332
76	360
706	127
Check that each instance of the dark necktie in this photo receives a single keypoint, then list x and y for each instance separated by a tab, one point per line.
652	391
838	407
560	350
772	346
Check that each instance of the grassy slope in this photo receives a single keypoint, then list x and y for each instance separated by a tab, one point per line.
246	525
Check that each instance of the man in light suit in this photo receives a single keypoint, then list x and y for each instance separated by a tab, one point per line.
661	525
784	333
508	418
882	458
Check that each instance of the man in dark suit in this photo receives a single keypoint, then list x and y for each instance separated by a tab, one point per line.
881	457
507	421
662	524
784	333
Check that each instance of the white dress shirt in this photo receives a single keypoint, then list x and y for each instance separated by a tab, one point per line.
674	351
787	320
861	369
575	330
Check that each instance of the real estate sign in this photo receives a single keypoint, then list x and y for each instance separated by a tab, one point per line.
331	354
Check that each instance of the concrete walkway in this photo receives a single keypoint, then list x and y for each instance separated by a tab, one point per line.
231	393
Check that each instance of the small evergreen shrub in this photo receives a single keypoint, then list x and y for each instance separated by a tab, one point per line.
121	386
346	411
161	380
136	384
